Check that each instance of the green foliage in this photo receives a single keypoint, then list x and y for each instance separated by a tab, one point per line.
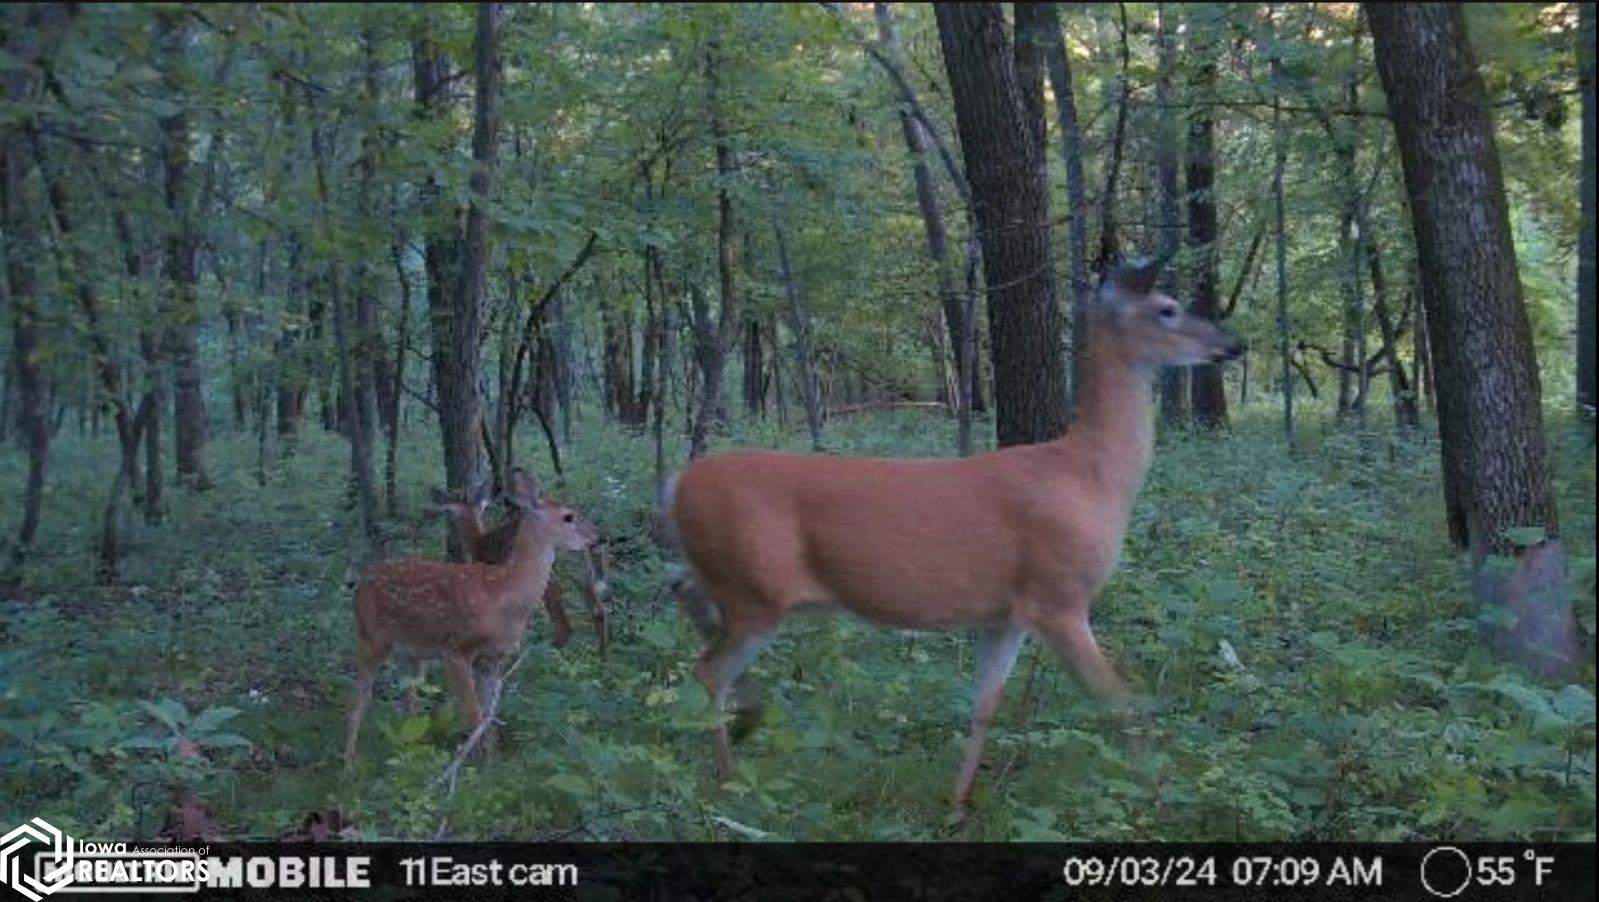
1303	640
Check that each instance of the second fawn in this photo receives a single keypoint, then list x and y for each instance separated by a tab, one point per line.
493	546
1014	542
472	615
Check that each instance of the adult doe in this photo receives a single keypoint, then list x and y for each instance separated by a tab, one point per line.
493	546
1011	542
472	615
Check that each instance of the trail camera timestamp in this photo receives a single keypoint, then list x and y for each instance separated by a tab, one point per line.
1243	870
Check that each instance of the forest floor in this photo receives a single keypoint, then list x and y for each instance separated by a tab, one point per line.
1298	623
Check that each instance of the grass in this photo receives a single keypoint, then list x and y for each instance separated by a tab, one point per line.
1302	631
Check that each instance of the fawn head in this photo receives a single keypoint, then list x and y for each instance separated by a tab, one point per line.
547	518
1156	330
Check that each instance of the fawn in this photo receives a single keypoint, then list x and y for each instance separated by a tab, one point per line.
493	546
1012	542
472	615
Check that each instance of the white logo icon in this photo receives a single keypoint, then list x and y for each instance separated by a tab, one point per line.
57	875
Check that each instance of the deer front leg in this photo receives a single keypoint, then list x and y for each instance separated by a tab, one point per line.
465	686
555	604
996	657
1069	634
368	660
595	590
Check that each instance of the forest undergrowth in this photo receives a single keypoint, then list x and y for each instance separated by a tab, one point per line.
1301	634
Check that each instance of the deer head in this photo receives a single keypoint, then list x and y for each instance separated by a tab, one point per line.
549	520
1152	329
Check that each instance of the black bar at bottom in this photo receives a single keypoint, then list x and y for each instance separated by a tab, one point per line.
862	871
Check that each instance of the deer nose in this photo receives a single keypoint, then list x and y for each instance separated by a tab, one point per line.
1231	350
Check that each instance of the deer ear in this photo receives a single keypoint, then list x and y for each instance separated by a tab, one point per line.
524	488
1135	278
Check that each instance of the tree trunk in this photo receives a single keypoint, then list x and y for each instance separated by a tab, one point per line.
23	249
457	264
1168	218
803	354
1109	231
1490	419
183	273
1060	78
1209	395
349	357
1279	213
1406	418
1587	394
1010	201
715	345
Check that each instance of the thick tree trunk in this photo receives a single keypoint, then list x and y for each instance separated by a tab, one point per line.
1168	217
1010	201
1490	419
1587	393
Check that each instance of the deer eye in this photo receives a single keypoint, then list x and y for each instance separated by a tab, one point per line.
1168	313
568	518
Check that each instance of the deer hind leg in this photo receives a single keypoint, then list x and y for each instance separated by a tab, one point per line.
724	660
996	656
368	660
490	676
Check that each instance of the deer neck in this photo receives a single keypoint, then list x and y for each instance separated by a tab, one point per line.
1115	424
532	556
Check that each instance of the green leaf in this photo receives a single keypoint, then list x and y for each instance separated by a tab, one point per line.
169	711
211	718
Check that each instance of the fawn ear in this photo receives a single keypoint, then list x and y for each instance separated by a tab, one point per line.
525	489
482	494
1134	278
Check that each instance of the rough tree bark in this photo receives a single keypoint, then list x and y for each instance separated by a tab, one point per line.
1011	206
1489	415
